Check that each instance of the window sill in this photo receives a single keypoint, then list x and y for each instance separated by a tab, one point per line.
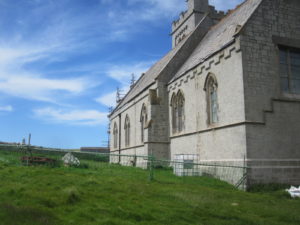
175	134
213	125
289	97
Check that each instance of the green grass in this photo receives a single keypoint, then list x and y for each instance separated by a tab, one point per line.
111	194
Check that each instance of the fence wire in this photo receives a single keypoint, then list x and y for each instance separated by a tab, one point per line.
183	166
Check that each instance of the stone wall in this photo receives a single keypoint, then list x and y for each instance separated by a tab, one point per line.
227	138
133	110
273	137
273	18
273	148
156	132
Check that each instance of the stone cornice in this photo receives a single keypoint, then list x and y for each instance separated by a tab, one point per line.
202	67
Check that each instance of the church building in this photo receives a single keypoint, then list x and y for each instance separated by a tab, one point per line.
228	92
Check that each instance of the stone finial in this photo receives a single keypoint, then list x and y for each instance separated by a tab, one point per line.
132	81
118	95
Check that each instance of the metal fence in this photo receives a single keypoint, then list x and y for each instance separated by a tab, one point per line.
182	166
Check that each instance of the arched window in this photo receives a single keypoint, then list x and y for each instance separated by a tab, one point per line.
180	106
174	112
211	88
127	131
177	104
115	135
144	118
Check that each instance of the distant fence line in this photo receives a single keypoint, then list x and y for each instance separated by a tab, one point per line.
234	174
33	147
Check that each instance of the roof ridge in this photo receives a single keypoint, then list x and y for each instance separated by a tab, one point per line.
172	53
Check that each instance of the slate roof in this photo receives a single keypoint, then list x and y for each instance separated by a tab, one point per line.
148	78
219	35
216	38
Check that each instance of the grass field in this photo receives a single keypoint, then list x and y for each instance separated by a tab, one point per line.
123	195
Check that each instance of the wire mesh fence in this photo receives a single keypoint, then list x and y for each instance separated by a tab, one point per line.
181	166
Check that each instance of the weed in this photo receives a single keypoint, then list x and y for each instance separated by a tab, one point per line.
72	195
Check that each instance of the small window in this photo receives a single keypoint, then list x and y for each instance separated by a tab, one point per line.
289	69
127	131
115	135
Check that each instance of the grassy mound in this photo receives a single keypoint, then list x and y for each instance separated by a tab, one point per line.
123	195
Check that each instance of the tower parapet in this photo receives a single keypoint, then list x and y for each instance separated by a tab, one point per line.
216	15
190	18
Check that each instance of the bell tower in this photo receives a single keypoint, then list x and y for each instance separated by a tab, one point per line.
197	5
188	20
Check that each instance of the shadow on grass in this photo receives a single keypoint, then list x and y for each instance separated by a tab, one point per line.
268	187
24	215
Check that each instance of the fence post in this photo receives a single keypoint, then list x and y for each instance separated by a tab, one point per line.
28	153
243	180
151	175
245	173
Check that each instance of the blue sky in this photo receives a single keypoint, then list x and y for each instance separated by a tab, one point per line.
61	61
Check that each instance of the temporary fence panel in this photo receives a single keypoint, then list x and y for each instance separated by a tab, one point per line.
185	165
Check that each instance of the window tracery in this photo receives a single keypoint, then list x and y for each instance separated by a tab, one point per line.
143	120
127	131
115	135
211	88
177	105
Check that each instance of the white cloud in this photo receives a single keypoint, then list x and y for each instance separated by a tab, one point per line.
52	41
123	75
42	89
72	117
124	23
18	81
7	108
108	100
158	9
